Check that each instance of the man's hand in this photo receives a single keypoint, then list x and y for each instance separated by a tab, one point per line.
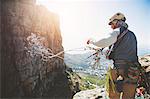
89	42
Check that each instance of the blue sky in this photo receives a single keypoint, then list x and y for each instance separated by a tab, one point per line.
84	19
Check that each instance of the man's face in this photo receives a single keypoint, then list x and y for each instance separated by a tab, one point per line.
113	26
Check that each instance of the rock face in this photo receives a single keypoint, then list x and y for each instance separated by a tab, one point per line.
97	93
145	62
21	75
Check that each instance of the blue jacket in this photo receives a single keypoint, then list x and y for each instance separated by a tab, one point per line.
125	48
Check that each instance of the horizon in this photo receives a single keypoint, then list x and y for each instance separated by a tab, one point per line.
141	52
84	19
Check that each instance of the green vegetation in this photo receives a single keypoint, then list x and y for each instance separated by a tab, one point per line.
86	87
95	80
89	82
81	81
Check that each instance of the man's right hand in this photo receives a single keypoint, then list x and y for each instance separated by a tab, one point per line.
88	42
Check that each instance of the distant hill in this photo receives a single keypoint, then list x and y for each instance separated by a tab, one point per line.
77	60
81	63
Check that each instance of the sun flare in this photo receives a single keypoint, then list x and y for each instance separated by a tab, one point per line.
84	19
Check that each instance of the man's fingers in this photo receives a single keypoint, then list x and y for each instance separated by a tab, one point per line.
88	42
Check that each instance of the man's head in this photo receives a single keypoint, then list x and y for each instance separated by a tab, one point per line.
115	19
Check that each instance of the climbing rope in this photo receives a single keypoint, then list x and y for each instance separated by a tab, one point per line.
36	48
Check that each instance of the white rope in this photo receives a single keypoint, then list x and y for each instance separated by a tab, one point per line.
36	48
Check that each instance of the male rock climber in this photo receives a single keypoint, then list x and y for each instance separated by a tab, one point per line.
122	45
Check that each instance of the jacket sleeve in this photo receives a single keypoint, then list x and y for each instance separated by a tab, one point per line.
105	42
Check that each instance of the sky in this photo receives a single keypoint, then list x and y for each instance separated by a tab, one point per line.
81	20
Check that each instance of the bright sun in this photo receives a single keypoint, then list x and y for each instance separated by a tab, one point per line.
79	21
84	19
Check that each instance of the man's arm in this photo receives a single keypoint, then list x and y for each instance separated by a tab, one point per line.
107	41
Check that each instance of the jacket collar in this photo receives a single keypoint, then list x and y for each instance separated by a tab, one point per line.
122	29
